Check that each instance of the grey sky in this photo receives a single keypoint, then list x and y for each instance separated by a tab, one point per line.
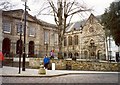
97	5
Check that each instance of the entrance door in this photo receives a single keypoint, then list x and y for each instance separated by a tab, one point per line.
31	49
6	47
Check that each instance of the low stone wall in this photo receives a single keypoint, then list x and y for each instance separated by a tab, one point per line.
77	65
35	62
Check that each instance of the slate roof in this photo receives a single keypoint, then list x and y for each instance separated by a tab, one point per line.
78	25
75	26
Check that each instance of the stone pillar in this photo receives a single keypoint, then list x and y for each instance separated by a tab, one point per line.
1	37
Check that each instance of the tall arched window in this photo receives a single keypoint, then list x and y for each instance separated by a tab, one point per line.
76	39
85	54
70	40
6	46
31	49
70	55
65	55
98	54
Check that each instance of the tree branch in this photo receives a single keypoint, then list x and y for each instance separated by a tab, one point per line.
78	11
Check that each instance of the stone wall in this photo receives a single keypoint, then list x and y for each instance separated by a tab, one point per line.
77	65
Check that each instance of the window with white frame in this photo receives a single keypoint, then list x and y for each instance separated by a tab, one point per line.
52	38
32	31
19	27
6	27
46	36
56	38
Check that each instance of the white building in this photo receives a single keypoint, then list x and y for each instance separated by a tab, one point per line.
113	49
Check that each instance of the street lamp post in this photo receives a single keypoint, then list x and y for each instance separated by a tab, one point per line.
81	41
24	53
20	48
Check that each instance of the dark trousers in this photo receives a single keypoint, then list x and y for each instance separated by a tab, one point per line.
1	64
46	65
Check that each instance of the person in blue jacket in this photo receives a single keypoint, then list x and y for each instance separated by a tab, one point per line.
46	61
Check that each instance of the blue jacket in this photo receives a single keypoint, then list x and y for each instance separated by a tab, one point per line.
46	60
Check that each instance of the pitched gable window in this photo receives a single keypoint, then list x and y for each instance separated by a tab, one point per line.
6	27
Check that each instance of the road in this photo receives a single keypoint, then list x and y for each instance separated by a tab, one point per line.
72	78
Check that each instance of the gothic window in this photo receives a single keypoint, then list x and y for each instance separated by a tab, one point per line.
65	55
92	43
91	20
70	40
91	29
76	39
70	55
85	54
76	54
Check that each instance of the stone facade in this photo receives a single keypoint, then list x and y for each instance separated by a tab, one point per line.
35	34
91	40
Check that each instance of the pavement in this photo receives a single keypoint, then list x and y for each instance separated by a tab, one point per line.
8	71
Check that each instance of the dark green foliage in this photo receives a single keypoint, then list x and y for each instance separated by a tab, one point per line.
111	21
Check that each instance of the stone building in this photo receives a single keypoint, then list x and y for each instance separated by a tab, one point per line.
85	40
39	34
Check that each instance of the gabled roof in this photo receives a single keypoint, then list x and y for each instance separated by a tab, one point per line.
78	25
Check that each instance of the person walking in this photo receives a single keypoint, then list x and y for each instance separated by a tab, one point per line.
52	54
46	61
1	59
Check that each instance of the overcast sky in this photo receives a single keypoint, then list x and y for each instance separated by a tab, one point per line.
97	5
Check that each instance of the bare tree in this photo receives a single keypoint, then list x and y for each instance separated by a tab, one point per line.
6	5
64	10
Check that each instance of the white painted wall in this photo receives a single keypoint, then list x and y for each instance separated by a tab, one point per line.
113	47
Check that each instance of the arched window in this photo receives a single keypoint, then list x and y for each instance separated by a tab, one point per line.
76	39
91	29
92	43
65	55
6	46
76	54
85	54
70	55
31	49
70	40
98	54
